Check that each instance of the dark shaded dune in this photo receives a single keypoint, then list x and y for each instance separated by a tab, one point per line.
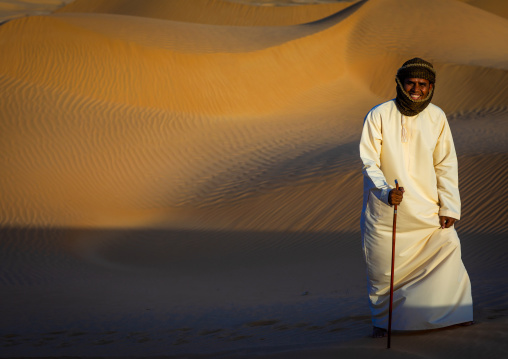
478	132
37	256
331	203
464	88
203	252
338	16
483	183
213	12
496	7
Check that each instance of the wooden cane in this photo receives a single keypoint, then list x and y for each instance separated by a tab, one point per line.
393	266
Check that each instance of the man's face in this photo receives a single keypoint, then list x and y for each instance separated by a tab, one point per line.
418	89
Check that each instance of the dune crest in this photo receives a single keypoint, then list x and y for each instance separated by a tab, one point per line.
12	9
214	12
497	7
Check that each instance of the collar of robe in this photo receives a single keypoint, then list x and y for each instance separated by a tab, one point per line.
406	105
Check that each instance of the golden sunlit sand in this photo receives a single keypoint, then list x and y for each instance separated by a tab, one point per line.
183	177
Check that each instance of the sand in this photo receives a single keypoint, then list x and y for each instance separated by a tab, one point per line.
182	179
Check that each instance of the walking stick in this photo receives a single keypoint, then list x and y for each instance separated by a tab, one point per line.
391	276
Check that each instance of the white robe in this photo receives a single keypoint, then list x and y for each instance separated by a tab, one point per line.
431	285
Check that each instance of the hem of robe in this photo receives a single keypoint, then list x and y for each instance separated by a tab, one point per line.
464	314
441	272
426	327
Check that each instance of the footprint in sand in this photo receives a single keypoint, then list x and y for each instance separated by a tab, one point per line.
210	331
239	337
76	334
262	323
103	342
180	341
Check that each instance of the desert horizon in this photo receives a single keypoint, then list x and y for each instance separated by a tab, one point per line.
181	179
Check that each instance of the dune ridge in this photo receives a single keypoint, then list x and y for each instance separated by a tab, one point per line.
12	9
497	7
214	12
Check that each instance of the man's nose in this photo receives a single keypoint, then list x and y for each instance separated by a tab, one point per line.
414	89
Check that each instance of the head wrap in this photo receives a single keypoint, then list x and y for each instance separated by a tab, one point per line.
414	68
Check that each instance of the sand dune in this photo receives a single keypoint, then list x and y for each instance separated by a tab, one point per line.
214	12
191	95
189	172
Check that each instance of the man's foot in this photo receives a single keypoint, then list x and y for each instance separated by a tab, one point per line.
466	324
379	332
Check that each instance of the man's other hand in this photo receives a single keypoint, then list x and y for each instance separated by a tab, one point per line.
395	196
446	222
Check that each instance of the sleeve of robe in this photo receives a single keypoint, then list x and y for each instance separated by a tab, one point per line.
370	152
446	168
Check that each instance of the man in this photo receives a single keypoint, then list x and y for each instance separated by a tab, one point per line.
409	139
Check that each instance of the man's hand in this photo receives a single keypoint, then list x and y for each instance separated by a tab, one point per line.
395	196
446	222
